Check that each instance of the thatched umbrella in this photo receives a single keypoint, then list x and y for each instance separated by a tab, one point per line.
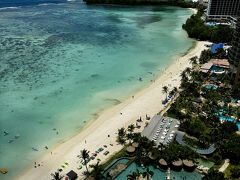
135	144
150	155
130	149
162	162
188	163
177	163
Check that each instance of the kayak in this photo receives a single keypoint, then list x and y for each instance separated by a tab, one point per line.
35	149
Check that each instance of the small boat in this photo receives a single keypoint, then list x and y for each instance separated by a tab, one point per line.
17	136
10	141
3	171
34	149
5	133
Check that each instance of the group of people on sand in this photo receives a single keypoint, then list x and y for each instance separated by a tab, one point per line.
37	164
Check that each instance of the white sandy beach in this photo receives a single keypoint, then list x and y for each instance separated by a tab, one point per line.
147	101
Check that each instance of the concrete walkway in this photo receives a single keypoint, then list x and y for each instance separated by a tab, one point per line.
224	166
179	139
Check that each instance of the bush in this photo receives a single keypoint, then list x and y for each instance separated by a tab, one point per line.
235	172
217	158
196	28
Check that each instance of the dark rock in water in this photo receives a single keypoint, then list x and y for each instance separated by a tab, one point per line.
95	75
114	101
10	141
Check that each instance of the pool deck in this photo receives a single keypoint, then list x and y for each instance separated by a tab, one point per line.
121	169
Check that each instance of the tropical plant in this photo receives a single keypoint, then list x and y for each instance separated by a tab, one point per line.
134	176
193	60
121	138
165	91
148	174
131	128
235	172
84	154
96	173
213	174
57	176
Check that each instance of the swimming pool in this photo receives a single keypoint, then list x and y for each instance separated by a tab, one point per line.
159	174
122	161
209	86
216	69
224	118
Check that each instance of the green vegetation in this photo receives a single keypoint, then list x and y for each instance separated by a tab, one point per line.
194	143
165	91
57	176
196	28
232	172
207	55
97	169
84	154
214	175
136	175
180	3
201	119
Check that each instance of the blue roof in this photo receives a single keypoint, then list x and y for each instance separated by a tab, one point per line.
215	46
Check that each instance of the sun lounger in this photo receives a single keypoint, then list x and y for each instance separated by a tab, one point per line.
79	167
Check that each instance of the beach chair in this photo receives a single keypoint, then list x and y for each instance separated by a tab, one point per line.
79	167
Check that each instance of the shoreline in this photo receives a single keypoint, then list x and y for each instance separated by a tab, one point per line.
146	101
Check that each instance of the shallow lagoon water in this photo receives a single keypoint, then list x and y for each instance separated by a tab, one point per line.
62	64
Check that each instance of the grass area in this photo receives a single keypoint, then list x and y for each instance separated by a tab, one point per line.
119	154
228	173
193	143
205	162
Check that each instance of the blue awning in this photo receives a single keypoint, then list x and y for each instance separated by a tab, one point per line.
215	46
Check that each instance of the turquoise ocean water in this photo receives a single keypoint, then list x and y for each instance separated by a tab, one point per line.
62	64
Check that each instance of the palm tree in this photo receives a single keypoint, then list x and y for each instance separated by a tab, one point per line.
131	127
121	132
148	173
134	175
121	138
193	60
165	91
130	134
97	171
183	75
57	176
84	154
188	70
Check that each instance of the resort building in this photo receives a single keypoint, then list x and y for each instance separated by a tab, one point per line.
205	68
217	66
221	63
223	9
234	52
